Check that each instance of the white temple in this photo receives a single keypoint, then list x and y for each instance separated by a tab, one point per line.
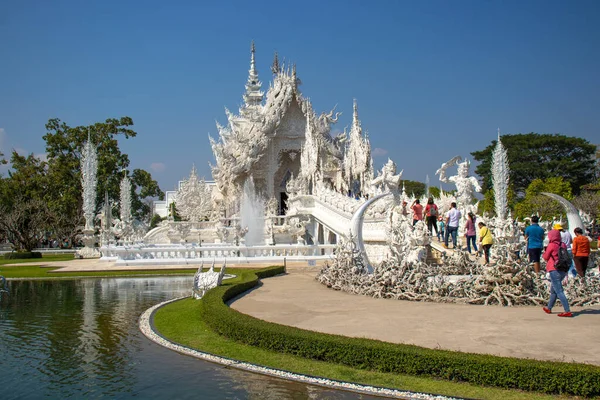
277	136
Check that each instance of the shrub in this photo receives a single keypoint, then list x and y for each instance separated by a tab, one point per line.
22	255
503	372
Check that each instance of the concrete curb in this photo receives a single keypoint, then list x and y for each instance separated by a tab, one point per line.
147	328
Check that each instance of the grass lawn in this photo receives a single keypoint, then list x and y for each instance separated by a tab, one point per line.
37	271
179	322
45	258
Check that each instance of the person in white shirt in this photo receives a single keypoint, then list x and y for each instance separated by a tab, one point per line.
452	220
567	239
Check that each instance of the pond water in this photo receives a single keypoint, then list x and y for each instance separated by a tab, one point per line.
79	339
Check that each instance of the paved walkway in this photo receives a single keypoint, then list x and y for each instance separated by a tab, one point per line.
297	299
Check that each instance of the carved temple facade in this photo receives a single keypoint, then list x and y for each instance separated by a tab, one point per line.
277	136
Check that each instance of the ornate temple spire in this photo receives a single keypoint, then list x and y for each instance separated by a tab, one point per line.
275	67
253	96
356	128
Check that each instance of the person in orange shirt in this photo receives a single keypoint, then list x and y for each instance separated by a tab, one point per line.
581	251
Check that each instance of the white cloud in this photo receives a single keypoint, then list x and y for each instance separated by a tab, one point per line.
379	152
2	136
158	167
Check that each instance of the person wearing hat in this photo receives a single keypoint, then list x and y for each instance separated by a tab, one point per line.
567	239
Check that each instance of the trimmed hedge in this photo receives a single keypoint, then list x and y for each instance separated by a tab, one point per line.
22	255
487	370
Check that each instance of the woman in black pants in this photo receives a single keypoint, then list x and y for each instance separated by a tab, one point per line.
431	211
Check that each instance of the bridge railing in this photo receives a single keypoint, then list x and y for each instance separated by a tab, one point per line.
168	252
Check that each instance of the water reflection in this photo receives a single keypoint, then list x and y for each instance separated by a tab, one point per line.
79	338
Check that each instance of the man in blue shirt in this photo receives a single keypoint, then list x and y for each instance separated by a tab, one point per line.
534	234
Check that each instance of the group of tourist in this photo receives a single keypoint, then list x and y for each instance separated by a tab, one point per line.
561	242
577	249
446	226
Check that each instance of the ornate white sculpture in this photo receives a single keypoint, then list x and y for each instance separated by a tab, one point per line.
124	226
500	178
194	198
388	181
465	185
89	170
358	164
106	222
204	281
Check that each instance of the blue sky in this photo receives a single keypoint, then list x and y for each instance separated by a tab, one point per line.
433	79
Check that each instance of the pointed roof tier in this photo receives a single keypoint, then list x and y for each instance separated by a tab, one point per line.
253	96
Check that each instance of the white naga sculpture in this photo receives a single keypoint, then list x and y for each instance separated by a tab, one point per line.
465	185
204	281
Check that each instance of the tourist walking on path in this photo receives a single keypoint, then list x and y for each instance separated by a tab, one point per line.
431	212
534	234
486	240
452	220
581	251
470	232
417	211
556	276
441	225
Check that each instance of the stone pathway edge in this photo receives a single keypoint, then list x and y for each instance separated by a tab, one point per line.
146	326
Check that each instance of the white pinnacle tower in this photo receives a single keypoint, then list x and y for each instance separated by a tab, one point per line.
500	178
89	171
253	96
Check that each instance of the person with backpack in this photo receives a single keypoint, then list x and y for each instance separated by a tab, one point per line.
431	212
557	266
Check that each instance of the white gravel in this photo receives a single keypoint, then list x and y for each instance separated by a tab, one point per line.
148	330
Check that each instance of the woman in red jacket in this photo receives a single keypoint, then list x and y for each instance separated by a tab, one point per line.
556	276
581	251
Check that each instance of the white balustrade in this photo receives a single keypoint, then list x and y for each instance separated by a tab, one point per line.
187	254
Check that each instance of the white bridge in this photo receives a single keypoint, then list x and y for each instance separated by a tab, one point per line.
329	215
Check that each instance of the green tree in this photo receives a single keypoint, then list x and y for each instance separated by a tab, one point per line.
24	214
535	202
434	191
488	203
144	188
173	212
540	156
413	187
63	147
589	202
155	220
